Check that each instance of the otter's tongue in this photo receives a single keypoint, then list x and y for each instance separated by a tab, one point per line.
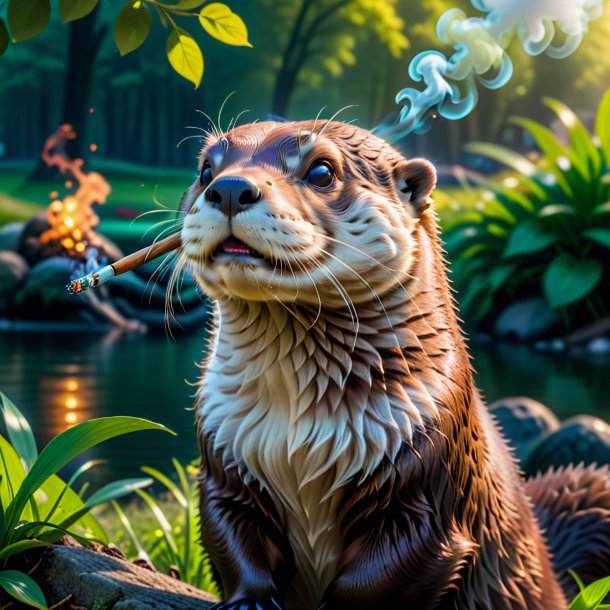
234	245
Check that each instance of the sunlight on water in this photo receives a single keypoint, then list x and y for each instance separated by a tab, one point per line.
60	380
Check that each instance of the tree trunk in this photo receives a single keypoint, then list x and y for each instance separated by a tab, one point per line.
82	51
286	79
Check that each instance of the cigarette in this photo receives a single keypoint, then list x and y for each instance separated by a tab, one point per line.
127	263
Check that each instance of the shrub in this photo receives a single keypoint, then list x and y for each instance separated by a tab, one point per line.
165	529
36	506
544	231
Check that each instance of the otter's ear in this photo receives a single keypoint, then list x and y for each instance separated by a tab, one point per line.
415	181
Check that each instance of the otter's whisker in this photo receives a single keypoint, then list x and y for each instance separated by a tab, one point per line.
139	216
159	273
215	131
333	117
315	122
234	122
222	107
175	222
344	295
199	137
319	312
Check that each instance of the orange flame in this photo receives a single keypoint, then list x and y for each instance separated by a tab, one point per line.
73	219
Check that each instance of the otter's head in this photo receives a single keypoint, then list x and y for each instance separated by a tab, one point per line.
300	212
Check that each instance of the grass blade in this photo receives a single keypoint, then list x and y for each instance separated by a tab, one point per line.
65	447
19	432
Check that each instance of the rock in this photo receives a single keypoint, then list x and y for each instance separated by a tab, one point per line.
13	268
43	294
104	582
600	345
583	438
596	329
30	246
526	320
523	421
10	235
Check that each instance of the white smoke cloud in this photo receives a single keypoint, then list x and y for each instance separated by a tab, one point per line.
554	27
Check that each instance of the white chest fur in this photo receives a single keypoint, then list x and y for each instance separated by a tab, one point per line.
273	397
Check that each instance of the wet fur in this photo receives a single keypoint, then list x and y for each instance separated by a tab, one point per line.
349	462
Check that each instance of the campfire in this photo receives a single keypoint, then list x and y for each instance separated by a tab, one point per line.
72	219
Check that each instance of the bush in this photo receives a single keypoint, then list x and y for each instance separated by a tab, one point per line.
36	506
543	231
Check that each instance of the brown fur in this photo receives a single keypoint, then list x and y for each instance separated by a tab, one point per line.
434	518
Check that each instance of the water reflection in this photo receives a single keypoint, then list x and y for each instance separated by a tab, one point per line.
568	382
59	380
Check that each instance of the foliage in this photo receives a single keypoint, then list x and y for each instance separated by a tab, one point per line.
592	596
324	33
36	506
169	535
27	18
544	230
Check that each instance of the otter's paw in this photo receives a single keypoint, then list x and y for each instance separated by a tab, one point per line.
265	602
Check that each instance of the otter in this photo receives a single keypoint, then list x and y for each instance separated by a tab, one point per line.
347	457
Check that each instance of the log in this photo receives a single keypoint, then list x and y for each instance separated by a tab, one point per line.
97	581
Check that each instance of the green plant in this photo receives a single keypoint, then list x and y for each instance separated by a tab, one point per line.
27	18
591	597
36	506
170	538
544	230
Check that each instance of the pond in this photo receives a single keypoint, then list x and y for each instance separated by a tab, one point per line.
60	379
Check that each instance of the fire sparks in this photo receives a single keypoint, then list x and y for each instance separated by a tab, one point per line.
73	219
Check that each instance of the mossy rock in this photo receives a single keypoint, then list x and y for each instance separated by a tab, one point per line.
13	269
524	422
581	439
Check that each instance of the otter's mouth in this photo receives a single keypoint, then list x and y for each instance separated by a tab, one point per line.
236	248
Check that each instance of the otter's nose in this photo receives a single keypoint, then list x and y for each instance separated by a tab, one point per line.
232	195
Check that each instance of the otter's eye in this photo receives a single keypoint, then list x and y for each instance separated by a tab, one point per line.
320	174
205	177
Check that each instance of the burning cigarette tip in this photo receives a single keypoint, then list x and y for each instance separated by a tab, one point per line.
90	281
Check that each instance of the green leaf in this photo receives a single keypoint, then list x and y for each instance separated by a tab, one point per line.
26	18
569	279
107	493
504	155
3	37
498	276
603	208
71	10
65	447
53	493
556	209
12	472
116	489
592	596
579	138
132	27
529	236
576	577
602	125
600	236
20	547
185	56
22	588
19	431
219	21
